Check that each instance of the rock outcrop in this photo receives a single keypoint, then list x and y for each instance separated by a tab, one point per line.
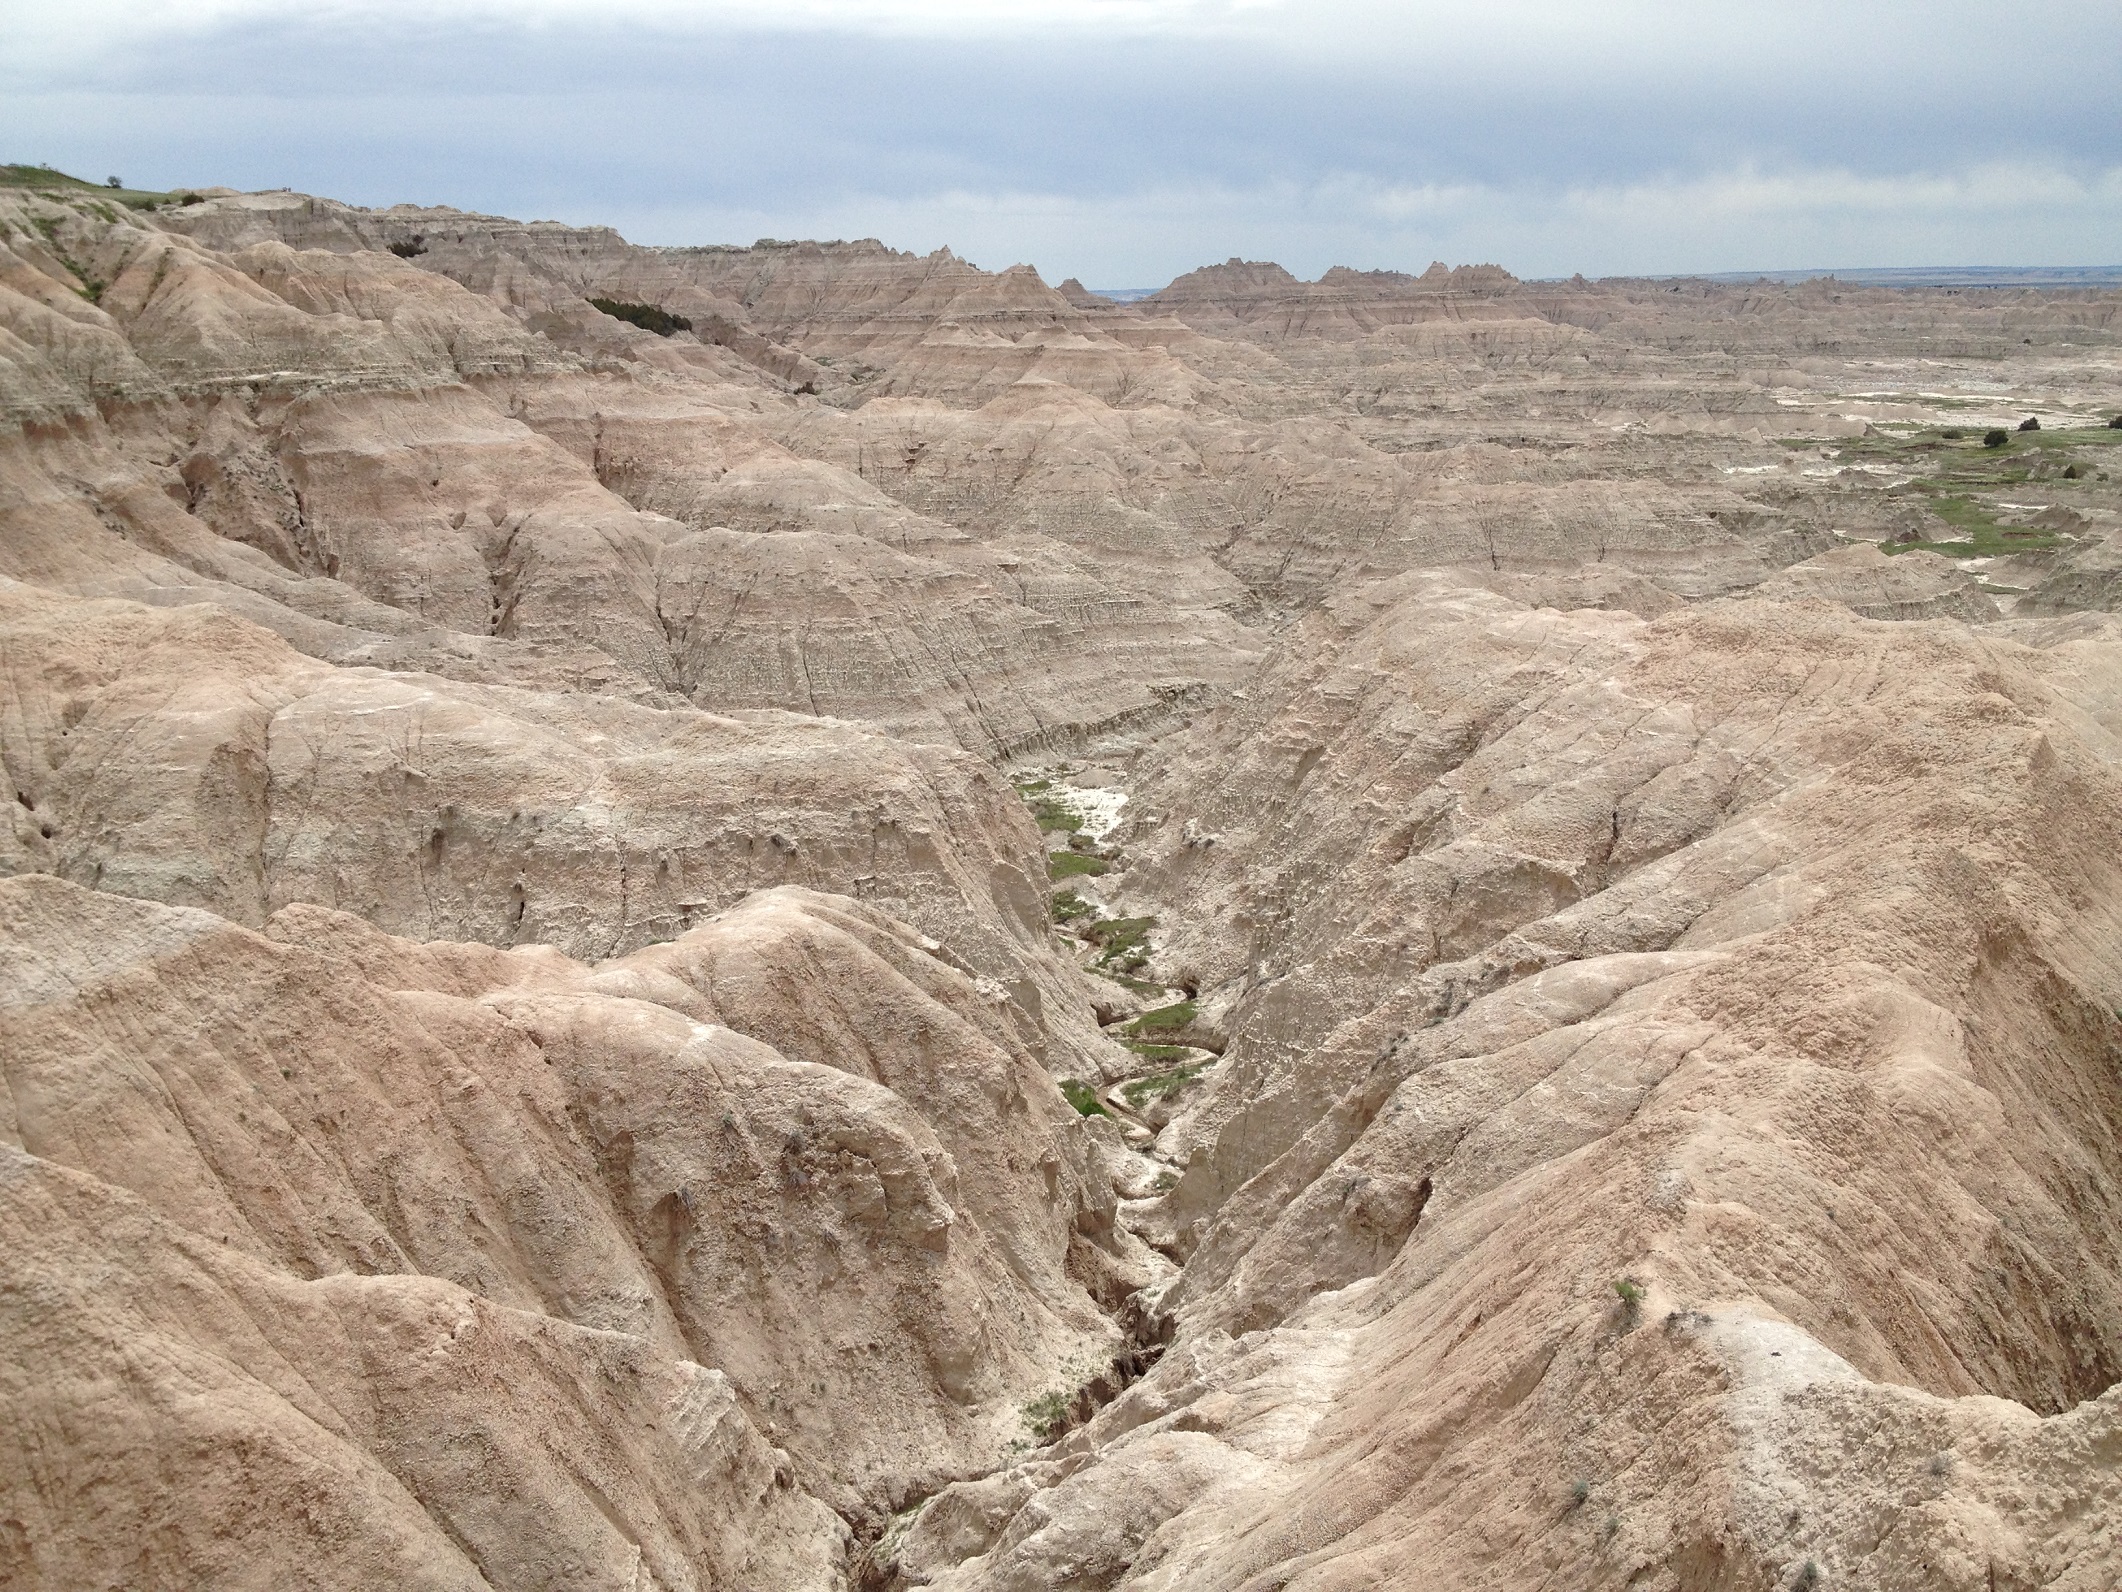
1666	1127
805	916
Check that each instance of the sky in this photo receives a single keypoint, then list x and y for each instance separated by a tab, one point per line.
1123	142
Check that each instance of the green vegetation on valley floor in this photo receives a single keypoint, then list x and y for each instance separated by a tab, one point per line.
1072	864
1139	1092
1947	472
1179	1014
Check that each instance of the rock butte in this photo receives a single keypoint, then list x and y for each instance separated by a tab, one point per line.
562	1025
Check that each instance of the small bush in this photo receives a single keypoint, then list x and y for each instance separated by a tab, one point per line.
1996	439
1047	1415
1084	1098
1952	434
2071	472
1580	1492
649	317
2115	424
1808	1576
1070	864
1119	937
1630	1293
2030	423
1068	905
114	182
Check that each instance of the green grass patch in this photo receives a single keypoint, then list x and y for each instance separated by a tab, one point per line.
1177	1015
46	180
1947	471
2076	437
1054	818
1120	934
1084	1098
1071	864
1982	536
1068	906
1153	1052
1139	1092
1032	787
1123	943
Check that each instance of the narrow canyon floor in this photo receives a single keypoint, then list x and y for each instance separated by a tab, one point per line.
803	917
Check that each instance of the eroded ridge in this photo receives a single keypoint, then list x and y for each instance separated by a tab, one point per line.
808	917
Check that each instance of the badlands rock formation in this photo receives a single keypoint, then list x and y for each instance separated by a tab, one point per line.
1408	930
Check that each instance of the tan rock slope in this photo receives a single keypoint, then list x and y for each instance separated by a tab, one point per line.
1408	930
1755	958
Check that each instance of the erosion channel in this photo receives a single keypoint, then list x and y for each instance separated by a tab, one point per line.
804	917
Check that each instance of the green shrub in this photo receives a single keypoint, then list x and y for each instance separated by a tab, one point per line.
2030	423
1952	434
1068	905
1084	1098
1996	439
1069	864
648	317
1120	938
1047	1415
1630	1293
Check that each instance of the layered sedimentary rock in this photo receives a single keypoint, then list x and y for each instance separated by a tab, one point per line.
454	1263
384	465
1666	1127
932	931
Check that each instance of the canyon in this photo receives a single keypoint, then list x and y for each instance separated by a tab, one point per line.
802	916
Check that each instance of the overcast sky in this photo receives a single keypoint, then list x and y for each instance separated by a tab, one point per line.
1125	141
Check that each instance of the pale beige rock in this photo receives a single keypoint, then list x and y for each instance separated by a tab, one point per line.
1714	953
530	1030
555	1145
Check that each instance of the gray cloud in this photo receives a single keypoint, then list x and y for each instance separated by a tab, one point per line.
1127	143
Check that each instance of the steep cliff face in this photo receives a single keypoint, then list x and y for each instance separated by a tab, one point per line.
1536	1006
